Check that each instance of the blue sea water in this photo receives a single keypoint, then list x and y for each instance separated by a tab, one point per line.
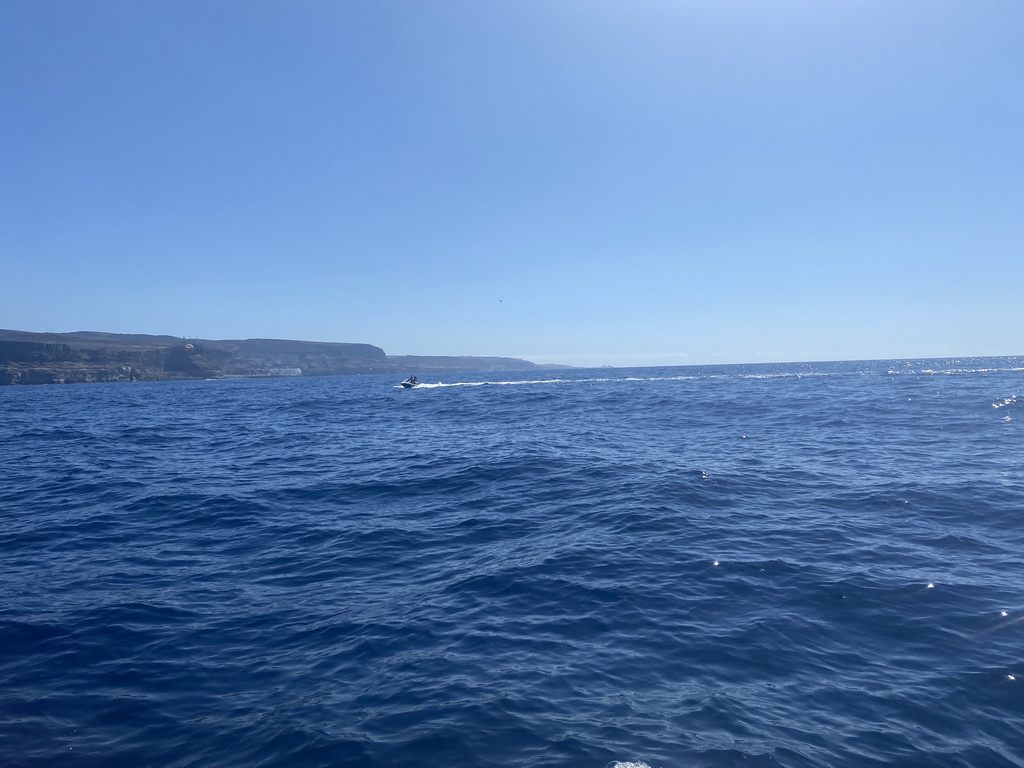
769	565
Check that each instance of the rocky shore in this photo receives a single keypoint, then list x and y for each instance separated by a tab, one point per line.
89	356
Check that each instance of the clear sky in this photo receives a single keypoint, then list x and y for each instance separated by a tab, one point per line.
588	182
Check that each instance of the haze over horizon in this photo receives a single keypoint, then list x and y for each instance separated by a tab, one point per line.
587	183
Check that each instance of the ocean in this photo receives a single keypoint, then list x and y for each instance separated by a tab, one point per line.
814	564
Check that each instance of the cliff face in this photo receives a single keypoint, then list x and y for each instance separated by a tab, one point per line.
90	356
52	362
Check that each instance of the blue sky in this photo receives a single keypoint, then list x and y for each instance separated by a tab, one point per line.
588	182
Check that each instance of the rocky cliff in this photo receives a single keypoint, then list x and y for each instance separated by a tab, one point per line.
91	356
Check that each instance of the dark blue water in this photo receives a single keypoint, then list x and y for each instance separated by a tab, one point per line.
779	565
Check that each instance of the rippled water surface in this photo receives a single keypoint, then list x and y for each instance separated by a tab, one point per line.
780	565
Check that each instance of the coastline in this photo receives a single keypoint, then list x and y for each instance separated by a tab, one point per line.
84	357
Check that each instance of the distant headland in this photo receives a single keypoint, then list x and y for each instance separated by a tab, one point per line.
93	356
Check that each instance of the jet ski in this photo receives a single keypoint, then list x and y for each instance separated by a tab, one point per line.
411	382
